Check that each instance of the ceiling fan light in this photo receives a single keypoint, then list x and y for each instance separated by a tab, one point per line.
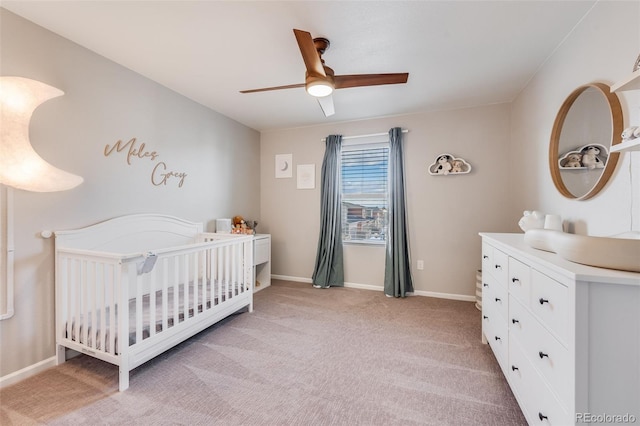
319	88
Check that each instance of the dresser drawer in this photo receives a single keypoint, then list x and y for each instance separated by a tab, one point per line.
497	337
538	403
497	298
500	266
519	278
543	350
550	303
487	258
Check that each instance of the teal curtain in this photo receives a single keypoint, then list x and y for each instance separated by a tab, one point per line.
397	270
329	267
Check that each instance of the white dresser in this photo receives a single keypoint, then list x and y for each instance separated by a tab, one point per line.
567	336
261	261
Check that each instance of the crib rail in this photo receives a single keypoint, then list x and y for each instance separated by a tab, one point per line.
107	304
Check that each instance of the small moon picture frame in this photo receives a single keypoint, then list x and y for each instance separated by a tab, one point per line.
284	166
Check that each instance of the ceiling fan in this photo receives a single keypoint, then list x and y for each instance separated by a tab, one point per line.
320	80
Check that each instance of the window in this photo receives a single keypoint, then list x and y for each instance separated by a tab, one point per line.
364	170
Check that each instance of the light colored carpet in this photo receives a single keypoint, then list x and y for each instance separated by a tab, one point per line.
305	356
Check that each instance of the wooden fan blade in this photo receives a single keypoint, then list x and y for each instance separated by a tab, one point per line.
309	53
265	89
326	103
359	80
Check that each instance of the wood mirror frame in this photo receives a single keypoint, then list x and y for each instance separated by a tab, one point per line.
554	146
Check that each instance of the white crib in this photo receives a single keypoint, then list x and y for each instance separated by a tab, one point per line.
130	288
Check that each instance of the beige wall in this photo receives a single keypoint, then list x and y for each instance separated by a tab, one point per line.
103	103
445	213
602	48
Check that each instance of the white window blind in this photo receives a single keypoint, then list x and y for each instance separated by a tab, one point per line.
364	168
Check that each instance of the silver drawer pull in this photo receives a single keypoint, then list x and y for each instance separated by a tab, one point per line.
542	355
543	301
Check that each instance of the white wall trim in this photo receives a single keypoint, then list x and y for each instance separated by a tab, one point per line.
27	372
450	296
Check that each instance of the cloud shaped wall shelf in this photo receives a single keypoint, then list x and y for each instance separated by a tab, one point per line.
592	156
447	164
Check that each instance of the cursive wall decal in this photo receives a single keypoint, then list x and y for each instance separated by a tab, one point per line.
159	174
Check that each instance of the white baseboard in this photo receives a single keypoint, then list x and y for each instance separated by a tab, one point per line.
450	296
27	372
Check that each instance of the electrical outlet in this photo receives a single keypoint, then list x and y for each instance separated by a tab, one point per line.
420	264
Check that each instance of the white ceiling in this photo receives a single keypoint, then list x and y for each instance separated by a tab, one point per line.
457	53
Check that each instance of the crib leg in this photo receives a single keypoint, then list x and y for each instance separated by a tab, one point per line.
123	379
61	354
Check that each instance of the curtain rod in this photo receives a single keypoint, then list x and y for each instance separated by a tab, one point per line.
364	136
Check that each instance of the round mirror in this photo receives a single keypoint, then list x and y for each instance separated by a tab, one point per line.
588	124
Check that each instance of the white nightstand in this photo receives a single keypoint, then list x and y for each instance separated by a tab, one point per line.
262	261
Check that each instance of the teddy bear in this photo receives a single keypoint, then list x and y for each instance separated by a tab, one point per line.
590	158
443	165
238	225
573	160
457	166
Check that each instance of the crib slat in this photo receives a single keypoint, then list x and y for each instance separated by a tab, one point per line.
165	289
204	279
113	303
219	269
195	285
185	286
176	290
139	308
82	317
152	302
93	327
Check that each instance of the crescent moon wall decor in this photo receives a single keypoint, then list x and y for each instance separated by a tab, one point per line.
20	166
284	165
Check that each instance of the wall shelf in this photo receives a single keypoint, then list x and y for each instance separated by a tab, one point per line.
630	145
632	82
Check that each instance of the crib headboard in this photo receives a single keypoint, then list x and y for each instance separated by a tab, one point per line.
131	234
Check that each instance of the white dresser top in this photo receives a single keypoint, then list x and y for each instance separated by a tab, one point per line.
515	245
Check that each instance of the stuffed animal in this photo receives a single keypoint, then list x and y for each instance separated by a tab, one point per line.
456	166
590	158
531	220
443	165
238	225
631	133
573	160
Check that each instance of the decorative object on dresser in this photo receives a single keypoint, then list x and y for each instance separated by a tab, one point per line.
537	220
565	335
446	164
